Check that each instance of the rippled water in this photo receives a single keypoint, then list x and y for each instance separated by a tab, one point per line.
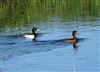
51	40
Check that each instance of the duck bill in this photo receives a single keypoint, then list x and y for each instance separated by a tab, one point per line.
37	30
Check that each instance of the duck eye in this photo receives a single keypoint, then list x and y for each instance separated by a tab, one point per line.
35	29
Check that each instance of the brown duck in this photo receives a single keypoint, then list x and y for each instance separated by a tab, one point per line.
73	40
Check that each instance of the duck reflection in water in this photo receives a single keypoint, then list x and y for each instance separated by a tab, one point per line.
73	40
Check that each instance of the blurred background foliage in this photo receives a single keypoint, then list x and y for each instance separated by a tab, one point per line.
24	12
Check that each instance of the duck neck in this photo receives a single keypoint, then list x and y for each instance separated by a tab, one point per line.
33	33
74	36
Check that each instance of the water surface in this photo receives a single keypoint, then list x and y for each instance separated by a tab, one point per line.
50	52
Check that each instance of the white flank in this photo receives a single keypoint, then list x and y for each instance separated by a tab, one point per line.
29	36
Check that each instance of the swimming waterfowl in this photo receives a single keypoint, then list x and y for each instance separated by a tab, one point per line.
74	39
32	35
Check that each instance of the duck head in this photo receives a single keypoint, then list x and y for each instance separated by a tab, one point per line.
74	33
34	29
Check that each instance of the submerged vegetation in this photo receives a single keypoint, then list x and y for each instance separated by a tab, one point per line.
23	12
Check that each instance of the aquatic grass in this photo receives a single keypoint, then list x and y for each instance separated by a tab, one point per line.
24	12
